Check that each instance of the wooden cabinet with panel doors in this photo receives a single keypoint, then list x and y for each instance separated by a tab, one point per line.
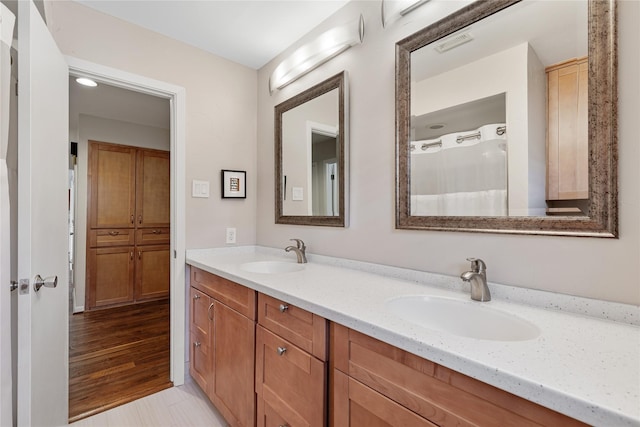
375	384
291	365
222	345
128	213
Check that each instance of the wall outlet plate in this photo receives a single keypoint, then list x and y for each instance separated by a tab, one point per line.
231	235
297	193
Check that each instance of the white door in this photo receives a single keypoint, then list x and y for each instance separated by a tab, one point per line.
43	109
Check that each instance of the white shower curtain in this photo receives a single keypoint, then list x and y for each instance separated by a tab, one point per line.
467	178
8	178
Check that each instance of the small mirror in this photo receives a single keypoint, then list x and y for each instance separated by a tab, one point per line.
311	143
506	120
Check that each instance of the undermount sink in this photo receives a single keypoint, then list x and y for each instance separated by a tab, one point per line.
463	318
271	267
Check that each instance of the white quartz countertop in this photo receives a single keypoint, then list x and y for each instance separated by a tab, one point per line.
585	367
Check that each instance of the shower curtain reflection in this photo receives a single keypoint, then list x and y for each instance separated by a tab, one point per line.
460	174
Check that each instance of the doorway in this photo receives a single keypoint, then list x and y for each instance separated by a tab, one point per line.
173	100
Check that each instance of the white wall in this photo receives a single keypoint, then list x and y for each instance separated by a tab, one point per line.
606	269
116	132
220	109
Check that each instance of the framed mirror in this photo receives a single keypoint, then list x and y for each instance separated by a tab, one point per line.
506	120
311	146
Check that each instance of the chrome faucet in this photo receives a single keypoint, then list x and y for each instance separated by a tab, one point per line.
477	278
299	249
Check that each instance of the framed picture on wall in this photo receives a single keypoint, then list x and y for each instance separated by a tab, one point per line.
234	184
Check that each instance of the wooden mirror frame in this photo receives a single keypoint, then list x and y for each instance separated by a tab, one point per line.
602	220
340	82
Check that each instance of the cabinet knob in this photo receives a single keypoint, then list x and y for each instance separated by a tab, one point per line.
283	308
282	350
196	296
197	344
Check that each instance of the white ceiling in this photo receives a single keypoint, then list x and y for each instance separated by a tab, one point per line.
249	32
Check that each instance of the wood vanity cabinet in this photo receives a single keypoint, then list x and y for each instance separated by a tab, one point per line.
222	345
375	384
291	365
567	130
129	225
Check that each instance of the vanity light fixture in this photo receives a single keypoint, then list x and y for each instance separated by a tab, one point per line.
86	82
392	10
315	53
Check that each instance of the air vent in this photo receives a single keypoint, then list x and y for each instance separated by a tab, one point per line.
453	42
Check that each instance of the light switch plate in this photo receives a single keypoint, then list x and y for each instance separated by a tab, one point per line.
200	189
297	193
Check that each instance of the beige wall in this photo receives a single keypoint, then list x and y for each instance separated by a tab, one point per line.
220	109
597	268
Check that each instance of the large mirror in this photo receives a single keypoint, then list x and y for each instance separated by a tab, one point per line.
311	147
506	120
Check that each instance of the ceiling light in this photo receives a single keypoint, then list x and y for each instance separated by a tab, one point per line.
313	54
86	82
396	9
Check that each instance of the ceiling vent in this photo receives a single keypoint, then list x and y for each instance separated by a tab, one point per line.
453	42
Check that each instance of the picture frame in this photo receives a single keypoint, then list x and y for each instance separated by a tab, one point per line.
234	184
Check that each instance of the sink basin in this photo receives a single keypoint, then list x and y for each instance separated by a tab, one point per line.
463	318
271	267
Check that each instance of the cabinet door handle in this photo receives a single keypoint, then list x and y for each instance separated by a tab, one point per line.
139	219
197	344
139	254
282	350
209	311
196	296
131	255
114	233
132	219
283	308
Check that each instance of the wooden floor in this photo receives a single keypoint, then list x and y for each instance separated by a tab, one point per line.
117	355
184	406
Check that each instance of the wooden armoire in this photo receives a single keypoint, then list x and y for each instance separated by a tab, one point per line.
128	236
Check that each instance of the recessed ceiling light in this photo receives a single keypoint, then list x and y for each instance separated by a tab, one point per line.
86	82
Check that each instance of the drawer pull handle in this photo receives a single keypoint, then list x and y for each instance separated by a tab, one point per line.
283	425
114	233
283	308
196	296
282	350
157	231
197	344
209	311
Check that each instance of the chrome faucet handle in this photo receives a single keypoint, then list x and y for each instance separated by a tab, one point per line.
477	265
299	244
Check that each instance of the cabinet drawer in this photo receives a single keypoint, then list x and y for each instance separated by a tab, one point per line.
153	236
439	394
303	328
201	315
108	237
199	359
289	380
238	297
356	405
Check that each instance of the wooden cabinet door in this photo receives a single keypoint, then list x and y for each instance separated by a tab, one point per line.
567	139
112	185
232	386
110	276
200	334
152	272
153	188
290	381
356	405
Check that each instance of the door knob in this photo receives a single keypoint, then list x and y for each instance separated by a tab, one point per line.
48	282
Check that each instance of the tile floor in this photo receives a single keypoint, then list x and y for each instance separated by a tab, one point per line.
184	406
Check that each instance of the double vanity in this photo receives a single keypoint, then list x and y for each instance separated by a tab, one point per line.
348	343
